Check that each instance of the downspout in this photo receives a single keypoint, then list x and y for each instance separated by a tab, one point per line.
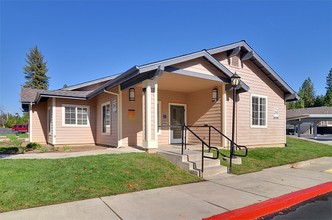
119	100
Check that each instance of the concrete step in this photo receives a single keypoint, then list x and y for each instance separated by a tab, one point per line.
207	163
191	161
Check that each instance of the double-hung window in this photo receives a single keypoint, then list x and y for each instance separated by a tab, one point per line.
258	111
106	118
76	115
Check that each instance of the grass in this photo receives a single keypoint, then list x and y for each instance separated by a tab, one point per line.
19	135
32	183
296	150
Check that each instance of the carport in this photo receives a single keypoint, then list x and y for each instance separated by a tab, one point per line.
314	119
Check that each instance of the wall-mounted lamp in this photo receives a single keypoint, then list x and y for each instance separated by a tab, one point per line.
131	94
214	95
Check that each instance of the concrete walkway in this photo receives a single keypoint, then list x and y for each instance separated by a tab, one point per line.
58	155
192	201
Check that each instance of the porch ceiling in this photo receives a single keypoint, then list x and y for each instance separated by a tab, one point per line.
182	83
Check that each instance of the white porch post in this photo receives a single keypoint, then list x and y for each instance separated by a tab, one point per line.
150	122
119	109
54	120
30	122
223	115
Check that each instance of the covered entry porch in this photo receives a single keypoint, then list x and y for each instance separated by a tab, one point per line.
163	103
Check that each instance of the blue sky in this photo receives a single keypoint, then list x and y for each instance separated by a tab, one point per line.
85	40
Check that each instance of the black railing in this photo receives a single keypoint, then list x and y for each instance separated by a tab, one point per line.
185	128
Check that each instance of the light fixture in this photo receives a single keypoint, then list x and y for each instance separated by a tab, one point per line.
131	94
235	80
214	95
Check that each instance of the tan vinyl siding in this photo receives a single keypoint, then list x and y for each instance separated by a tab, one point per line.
112	138
71	134
39	122
261	85
132	134
201	111
198	66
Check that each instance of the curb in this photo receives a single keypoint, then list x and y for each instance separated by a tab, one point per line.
274	205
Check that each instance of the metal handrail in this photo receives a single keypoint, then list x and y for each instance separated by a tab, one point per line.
184	127
239	147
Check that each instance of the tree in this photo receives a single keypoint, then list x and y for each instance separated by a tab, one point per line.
328	95
319	101
35	70
3	117
329	81
65	86
307	94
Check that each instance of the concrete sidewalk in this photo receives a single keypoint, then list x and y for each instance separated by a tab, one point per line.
192	201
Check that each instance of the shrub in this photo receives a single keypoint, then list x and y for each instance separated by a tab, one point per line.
34	145
66	148
22	150
43	149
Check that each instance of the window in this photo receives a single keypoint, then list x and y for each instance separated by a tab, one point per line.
106	118
75	115
258	111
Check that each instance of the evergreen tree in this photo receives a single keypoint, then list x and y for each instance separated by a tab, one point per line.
319	101
329	81
328	95
35	70
65	86
307	94
328	98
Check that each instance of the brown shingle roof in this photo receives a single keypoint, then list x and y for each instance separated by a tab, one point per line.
33	95
308	111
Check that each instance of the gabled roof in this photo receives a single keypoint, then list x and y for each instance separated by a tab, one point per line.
139	73
34	95
247	53
146	68
89	83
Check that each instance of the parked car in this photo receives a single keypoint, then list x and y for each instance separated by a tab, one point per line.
20	128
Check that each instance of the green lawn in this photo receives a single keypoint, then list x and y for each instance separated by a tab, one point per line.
296	150
31	183
19	135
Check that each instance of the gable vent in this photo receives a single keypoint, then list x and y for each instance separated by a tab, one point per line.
235	61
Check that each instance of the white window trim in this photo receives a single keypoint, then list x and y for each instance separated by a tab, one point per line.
101	118
74	106
159	122
266	111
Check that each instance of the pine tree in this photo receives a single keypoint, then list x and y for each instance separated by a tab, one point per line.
307	94
328	95
35	70
329	81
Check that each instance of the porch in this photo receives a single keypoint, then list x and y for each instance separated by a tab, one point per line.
162	104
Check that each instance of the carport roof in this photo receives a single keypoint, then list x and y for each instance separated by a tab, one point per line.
309	114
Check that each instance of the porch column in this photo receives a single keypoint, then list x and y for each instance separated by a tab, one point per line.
150	120
223	115
299	129
119	109
30	122
315	129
